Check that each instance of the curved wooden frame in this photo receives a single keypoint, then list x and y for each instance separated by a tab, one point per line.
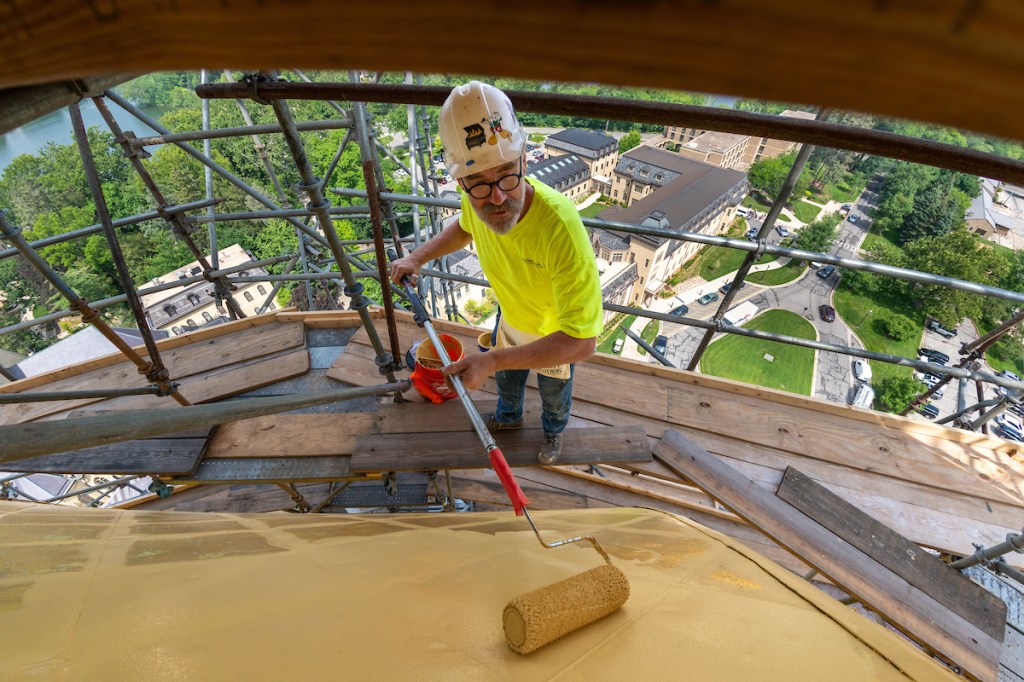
953	62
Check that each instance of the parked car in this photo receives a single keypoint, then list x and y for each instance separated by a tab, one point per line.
679	311
728	285
827	313
617	346
852	218
847	207
929	410
752	233
708	298
1007	374
814	264
782	230
660	344
1009	433
861	370
937	327
864	397
1011	420
826	271
935	356
927	378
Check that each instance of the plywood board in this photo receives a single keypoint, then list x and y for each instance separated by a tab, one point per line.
285	435
901	556
904	605
459	450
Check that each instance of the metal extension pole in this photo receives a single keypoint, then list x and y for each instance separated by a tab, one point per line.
155	370
320	204
766	228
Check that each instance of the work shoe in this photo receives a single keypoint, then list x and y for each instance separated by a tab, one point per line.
551	449
491	420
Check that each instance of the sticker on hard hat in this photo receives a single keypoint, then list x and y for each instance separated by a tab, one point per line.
475	135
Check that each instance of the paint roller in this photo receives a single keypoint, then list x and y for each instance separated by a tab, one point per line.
539	617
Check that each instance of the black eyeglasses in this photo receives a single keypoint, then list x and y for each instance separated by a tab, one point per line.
506	183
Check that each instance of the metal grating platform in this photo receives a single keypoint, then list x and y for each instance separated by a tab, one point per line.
411	490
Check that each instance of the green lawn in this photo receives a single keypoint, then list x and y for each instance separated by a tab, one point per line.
844	190
716	261
743	359
754	201
592	210
613	331
787	273
650	333
863	315
804	212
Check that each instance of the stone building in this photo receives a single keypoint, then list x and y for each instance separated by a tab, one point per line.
597	150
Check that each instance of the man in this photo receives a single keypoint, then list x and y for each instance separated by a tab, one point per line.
534	251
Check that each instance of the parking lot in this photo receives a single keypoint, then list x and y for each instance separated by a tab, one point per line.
947	404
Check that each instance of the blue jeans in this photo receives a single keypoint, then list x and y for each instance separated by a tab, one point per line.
555	394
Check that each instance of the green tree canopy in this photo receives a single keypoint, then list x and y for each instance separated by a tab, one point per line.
629	141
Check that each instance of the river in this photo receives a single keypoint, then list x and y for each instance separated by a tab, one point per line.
56	127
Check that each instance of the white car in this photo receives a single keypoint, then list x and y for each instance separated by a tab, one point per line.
862	370
864	397
1007	419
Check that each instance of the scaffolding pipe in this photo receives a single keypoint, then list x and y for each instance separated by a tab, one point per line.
21	441
1000	566
120	222
647	347
178	224
93	488
208	182
347	211
155	370
320	204
241	131
818	133
8	398
748	261
1013	543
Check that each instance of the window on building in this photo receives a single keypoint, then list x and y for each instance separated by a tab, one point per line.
248	296
262	289
190	322
170	310
207	316
616	257
647	262
176	330
615	194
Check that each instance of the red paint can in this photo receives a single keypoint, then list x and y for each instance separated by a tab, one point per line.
428	368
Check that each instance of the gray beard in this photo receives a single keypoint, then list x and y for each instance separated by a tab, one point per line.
505	224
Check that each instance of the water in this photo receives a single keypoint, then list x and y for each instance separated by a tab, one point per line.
56	127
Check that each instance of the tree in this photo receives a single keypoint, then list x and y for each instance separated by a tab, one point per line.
936	212
960	255
896	392
629	140
819	235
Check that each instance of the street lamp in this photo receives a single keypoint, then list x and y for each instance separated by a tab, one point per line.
864	318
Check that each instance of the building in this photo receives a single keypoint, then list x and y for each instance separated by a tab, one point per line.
725	150
997	214
183	309
568	174
85	344
754	148
697	197
599	151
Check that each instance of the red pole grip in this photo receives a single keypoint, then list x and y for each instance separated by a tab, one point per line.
508	481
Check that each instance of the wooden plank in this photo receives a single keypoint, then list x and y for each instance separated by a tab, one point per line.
902	604
483	486
901	556
155	456
462	450
285	435
182	362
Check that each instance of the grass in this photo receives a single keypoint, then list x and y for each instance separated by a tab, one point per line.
863	314
754	201
650	333
592	210
843	190
612	332
804	212
770	278
784	218
742	359
40	310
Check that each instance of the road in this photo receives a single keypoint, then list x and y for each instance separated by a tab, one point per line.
833	379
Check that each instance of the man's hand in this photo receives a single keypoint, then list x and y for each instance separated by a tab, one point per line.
408	265
473	370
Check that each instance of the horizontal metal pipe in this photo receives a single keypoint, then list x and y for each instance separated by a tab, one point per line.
99	486
1013	543
241	131
746	245
1000	566
823	133
21	441
347	211
818	345
646	346
6	398
120	222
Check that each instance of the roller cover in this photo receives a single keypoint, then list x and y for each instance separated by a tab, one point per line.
536	618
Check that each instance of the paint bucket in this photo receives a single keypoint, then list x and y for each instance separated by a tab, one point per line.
483	342
428	368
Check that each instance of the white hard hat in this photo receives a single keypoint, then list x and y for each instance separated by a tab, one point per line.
479	129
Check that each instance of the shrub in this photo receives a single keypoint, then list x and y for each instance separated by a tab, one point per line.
896	392
898	327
